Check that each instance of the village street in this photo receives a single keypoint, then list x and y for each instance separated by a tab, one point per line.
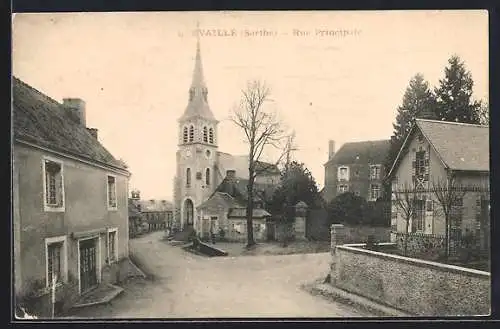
184	285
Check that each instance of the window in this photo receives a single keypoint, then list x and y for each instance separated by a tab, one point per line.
374	191
112	245
185	135
343	173
55	256
112	192
343	188
188	177
191	133
375	172
207	177
205	134
54	185
418	216
211	136
420	167
428	205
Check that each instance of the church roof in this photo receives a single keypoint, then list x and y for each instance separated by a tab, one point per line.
198	104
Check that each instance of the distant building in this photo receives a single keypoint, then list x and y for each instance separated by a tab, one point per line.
201	167
157	214
435	152
226	209
70	201
357	167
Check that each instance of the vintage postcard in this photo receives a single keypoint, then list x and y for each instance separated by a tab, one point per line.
201	165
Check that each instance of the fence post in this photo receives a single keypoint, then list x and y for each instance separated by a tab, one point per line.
336	239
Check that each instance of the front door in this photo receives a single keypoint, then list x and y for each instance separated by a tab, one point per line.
88	264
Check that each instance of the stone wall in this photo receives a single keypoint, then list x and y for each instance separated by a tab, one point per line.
416	286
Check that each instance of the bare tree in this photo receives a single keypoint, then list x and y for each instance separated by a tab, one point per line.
405	201
449	195
262	128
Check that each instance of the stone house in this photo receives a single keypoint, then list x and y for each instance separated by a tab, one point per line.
226	209
357	167
438	155
70	201
157	214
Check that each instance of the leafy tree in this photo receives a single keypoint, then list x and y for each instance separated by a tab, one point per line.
454	94
418	101
347	208
484	113
296	184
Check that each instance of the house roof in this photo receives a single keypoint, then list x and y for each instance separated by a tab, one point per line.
362	152
40	120
220	198
242	212
237	188
155	205
460	146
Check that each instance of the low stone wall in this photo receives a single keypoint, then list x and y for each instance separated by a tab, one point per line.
416	286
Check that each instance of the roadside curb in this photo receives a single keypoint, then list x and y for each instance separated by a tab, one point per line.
330	292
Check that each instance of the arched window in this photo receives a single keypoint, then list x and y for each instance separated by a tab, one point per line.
185	135
211	136
205	137
188	177
207	177
191	133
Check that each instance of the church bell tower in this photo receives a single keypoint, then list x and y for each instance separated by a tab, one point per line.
197	151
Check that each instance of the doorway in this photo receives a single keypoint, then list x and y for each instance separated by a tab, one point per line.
88	264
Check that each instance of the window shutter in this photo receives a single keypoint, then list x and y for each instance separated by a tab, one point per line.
414	164
59	191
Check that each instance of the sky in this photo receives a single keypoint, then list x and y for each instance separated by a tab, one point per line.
333	75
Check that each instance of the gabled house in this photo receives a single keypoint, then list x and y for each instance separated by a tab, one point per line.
70	201
356	167
226	209
453	159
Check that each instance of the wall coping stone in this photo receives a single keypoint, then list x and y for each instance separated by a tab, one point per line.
356	248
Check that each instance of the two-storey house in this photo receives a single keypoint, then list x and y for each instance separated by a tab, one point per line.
357	167
442	166
70	206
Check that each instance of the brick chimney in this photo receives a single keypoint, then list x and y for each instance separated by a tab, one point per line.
331	149
76	106
93	132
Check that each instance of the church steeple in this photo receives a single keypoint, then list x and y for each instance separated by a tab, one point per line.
198	92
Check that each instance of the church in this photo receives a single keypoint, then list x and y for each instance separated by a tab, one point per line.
203	172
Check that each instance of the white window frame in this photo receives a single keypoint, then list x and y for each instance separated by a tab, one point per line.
107	193
372	176
64	256
340	188
46	206
371	190
108	231
339	177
